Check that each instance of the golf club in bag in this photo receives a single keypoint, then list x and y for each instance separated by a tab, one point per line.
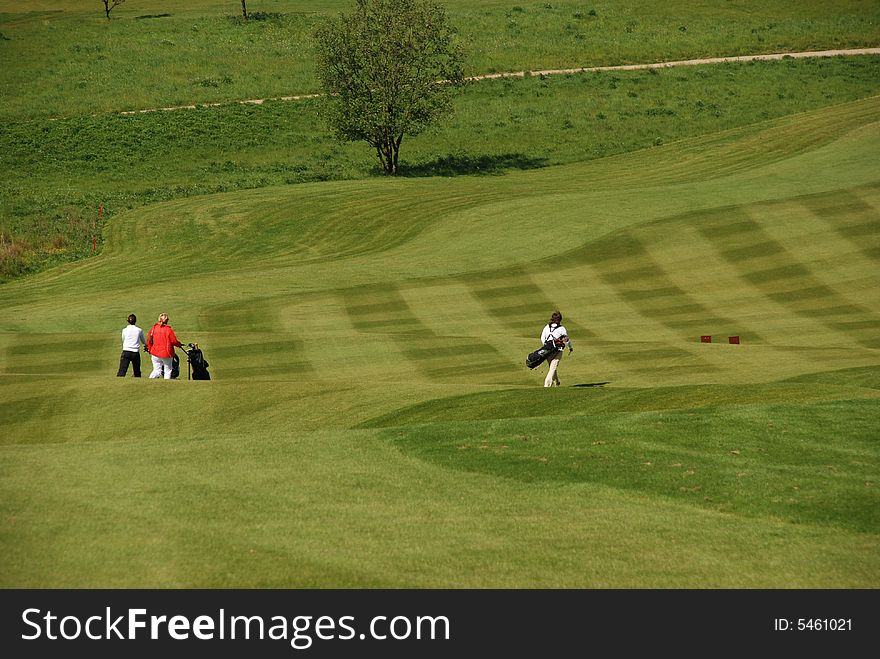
196	364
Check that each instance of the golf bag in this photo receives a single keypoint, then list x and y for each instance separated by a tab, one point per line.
198	365
175	367
537	358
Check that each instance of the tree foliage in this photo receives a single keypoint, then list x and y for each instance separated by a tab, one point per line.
389	69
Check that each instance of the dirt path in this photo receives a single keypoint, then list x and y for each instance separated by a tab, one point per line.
555	72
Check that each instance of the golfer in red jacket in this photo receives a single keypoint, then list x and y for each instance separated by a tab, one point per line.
160	344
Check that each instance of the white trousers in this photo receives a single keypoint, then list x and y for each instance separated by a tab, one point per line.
160	363
552	380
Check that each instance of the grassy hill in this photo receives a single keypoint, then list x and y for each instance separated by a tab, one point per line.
371	424
66	150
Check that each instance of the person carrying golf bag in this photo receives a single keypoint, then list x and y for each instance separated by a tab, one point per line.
556	335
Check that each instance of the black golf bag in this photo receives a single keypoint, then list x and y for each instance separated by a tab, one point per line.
537	358
197	368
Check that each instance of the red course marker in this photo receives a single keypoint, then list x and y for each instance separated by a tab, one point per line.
733	339
706	338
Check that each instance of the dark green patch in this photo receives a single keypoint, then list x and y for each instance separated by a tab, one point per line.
725	227
650	354
776	274
806	293
632	274
14	412
380	309
805	463
862	376
266	358
838	310
869	228
52	354
653	293
752	251
253	315
512	297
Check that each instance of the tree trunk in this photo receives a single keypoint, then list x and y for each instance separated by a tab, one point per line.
388	150
397	151
244	9
385	159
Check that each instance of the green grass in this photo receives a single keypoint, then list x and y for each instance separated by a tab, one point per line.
371	424
64	152
71	61
346	509
779	461
56	174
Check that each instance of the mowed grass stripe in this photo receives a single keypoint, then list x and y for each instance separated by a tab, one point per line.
468	329
731	287
259	314
255	355
622	264
56	353
819	233
383	309
769	267
854	217
644	284
513	298
379	309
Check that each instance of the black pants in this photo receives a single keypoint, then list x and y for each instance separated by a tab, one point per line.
134	358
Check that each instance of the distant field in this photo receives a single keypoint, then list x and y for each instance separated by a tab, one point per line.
70	60
371	423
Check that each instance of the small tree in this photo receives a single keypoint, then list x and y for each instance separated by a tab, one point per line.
109	5
388	69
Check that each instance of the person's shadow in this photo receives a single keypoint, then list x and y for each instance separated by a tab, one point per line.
591	384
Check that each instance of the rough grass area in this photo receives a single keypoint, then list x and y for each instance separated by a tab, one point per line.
70	60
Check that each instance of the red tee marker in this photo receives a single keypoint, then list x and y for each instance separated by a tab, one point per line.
733	339
706	338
